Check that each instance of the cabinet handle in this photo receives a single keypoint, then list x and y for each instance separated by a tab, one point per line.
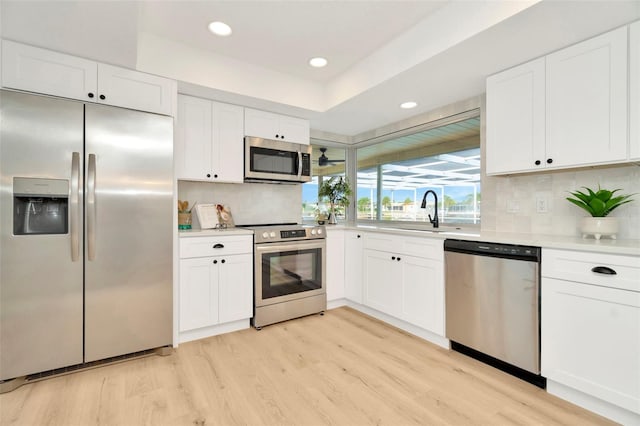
208	175
537	162
215	262
549	160
218	245
90	95
103	97
605	270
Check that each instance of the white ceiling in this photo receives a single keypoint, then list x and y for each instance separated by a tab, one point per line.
381	53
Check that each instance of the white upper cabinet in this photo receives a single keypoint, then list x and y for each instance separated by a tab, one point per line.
515	119
587	101
567	109
274	126
634	91
132	89
209	141
43	71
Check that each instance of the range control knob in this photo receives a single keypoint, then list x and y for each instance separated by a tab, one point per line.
272	234
313	232
265	235
320	231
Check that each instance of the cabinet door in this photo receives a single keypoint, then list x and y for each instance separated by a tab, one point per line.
587	101
591	340
42	71
236	287
382	282
335	264
198	293
516	119
634	91
136	90
423	293
227	143
193	155
353	253
261	124
294	129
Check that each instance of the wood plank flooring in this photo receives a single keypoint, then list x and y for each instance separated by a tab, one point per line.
343	368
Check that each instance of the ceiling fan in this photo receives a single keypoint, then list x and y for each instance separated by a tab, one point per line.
323	160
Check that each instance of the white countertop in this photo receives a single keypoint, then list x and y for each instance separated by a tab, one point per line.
186	233
604	245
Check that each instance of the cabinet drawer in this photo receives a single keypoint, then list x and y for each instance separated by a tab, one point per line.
579	267
215	246
415	246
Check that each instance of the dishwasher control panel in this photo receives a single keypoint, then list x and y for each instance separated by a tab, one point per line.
493	249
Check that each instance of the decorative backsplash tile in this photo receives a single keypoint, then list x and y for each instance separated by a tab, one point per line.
250	203
510	203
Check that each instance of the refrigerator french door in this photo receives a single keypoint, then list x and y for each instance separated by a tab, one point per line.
86	232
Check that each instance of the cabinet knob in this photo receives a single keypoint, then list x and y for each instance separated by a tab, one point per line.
103	97
215	176
215	262
281	136
549	160
277	136
90	95
537	162
208	175
393	258
358	236
398	259
223	261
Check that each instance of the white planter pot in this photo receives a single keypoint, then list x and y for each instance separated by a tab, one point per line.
599	226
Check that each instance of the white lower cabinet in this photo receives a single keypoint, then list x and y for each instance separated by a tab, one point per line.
591	328
214	289
406	279
335	264
353	258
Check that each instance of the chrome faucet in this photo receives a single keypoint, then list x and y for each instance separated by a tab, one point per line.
433	221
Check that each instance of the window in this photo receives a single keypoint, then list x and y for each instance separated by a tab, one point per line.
327	161
393	175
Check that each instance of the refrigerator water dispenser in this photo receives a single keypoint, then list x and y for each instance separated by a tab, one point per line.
40	206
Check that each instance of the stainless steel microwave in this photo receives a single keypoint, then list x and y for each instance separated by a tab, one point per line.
267	160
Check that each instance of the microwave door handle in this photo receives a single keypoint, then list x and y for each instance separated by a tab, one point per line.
299	165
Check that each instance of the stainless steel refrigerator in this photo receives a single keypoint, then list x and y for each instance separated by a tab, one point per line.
86	208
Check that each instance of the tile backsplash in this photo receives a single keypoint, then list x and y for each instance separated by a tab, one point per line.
513	203
250	203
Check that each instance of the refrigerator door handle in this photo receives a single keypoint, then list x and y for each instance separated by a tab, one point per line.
91	207
74	200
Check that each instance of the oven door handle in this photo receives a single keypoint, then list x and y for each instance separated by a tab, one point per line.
291	245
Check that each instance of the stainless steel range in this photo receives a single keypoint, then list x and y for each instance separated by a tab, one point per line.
289	272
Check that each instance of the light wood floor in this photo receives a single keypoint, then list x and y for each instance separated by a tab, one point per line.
343	368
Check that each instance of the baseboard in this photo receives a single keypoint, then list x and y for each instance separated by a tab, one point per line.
201	333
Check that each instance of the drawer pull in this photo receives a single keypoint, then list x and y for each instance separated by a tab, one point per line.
219	246
603	270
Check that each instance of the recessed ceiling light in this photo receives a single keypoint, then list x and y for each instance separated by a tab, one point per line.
318	62
408	105
220	28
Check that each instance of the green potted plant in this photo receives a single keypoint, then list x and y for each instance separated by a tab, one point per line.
337	190
599	204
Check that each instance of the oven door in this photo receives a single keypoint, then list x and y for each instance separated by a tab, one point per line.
288	271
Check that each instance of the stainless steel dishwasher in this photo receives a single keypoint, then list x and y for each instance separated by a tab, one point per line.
493	305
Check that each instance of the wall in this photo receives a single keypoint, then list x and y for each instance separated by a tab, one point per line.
509	202
250	203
